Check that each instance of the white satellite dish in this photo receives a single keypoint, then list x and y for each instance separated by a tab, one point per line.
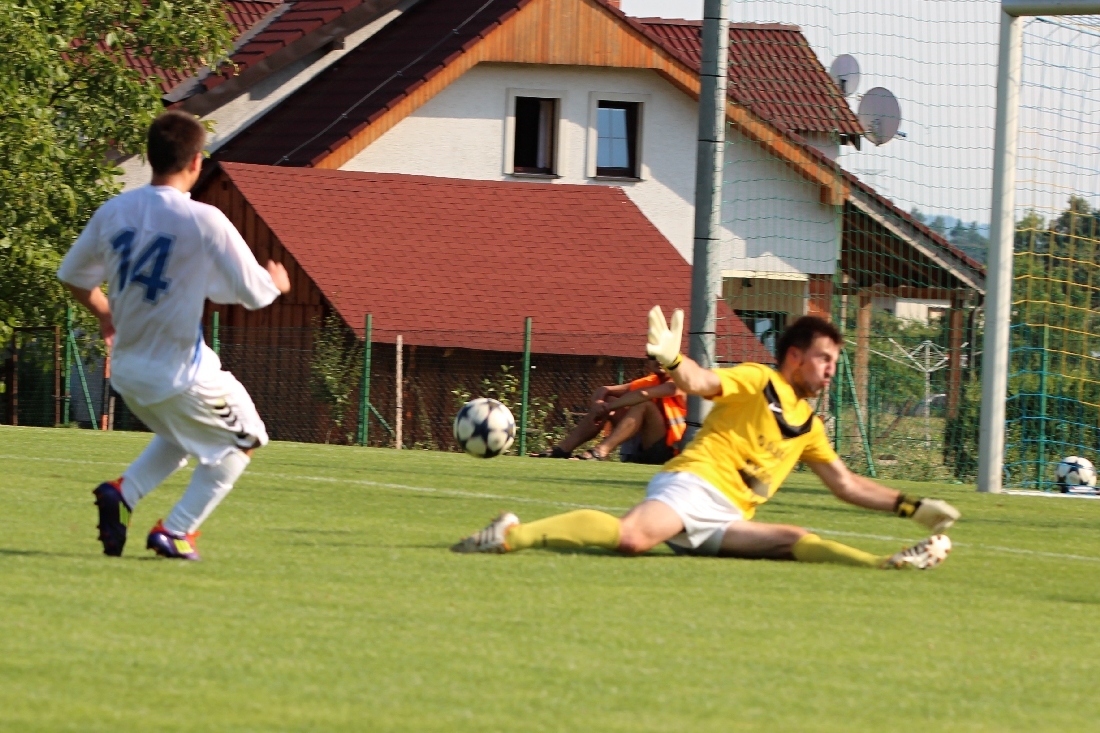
880	115
845	72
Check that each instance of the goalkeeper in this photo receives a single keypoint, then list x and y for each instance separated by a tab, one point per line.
760	428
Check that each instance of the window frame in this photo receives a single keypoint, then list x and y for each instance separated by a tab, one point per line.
641	170
558	144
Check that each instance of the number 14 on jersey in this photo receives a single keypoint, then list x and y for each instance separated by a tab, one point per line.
148	270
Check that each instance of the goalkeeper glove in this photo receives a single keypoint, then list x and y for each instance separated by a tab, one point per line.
664	340
934	514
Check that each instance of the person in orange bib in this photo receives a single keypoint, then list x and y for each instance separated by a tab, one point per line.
648	417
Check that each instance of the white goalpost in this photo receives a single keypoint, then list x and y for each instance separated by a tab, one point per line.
999	281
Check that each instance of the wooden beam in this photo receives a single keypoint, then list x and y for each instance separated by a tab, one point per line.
862	367
954	357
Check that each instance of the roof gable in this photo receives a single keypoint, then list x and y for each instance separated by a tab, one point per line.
459	263
773	71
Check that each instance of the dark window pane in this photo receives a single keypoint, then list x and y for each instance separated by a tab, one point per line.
534	138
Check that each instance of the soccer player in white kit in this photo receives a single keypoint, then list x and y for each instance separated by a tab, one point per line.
162	256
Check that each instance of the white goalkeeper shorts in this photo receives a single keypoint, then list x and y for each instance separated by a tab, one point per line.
210	419
704	510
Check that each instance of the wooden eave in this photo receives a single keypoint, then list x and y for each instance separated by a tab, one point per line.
586	33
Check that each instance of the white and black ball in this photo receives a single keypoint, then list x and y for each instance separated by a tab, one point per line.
1076	474
484	428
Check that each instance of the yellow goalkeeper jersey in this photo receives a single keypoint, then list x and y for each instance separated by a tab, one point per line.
753	438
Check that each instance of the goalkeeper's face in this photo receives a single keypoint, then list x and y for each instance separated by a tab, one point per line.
814	368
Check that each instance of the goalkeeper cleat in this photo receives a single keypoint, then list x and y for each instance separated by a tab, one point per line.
167	543
925	554
114	516
490	539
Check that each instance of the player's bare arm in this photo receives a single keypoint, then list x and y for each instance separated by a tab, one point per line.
935	514
638	396
95	300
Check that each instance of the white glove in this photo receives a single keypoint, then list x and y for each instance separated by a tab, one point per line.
664	340
935	514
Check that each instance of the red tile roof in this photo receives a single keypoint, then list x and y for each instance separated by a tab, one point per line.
772	71
459	263
300	18
370	78
242	15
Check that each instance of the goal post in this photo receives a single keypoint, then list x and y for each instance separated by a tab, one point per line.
999	282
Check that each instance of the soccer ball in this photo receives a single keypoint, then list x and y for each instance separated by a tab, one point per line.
1076	473
484	428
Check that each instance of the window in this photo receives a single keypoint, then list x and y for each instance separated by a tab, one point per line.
533	148
617	139
765	325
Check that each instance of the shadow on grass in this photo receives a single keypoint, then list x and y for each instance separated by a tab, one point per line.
36	553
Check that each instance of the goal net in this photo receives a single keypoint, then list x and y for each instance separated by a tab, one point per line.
1053	408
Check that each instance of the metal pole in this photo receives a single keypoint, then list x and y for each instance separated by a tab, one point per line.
215	337
864	433
400	405
526	386
56	376
84	382
67	398
364	384
1040	468
14	396
998	305
708	196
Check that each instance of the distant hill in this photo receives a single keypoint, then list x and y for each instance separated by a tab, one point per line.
972	238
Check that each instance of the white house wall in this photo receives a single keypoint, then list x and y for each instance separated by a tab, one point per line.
244	109
772	218
459	133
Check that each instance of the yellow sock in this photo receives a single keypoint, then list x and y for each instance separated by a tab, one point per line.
582	528
812	548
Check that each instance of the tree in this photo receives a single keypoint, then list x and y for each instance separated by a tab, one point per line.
69	105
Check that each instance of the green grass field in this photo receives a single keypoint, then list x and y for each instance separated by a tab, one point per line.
327	601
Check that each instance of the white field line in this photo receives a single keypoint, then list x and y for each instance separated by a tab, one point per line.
528	500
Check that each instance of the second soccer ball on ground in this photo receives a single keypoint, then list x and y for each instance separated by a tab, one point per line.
484	428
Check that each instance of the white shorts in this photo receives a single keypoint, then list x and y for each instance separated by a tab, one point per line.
208	420
704	510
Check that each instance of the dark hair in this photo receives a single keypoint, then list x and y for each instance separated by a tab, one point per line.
801	335
173	141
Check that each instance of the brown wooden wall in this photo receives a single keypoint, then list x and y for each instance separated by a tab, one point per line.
303	306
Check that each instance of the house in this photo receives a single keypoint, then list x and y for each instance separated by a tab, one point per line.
576	92
452	266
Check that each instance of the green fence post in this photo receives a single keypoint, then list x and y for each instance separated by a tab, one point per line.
364	384
847	368
621	372
84	382
215	341
67	396
1044	366
526	386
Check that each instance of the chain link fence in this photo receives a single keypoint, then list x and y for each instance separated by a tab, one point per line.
308	385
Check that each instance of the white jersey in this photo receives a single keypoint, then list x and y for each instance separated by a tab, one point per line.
162	256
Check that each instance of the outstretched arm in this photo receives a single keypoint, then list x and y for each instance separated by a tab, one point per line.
664	346
934	514
853	488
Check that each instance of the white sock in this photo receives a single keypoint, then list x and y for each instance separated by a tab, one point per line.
158	461
209	485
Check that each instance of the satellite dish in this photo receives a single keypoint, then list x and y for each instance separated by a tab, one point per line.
880	115
845	72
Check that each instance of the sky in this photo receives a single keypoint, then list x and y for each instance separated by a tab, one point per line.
939	58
